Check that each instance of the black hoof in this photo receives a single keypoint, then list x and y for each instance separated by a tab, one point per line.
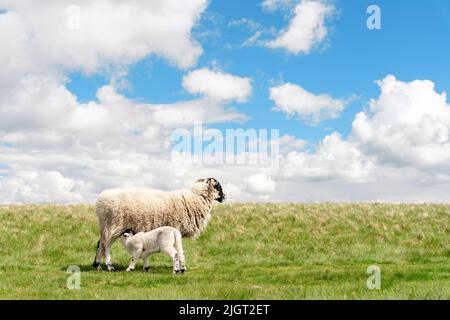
111	268
146	269
96	264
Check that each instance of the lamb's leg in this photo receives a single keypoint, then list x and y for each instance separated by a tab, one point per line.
146	265
182	262
132	264
136	254
179	248
171	252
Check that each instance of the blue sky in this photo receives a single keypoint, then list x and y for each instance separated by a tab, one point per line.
412	44
90	98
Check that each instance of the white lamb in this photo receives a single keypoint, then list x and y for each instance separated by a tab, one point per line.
164	239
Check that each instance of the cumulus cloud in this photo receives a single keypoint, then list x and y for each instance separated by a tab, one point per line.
408	125
40	187
294	100
307	27
205	110
46	37
398	150
334	158
108	142
260	184
53	148
218	85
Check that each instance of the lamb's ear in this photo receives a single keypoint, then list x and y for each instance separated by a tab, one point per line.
200	180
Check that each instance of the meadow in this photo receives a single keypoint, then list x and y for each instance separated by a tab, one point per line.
249	251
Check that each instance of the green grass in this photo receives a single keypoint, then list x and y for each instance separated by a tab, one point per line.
249	251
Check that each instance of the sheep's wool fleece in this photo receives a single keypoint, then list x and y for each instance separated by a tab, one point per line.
142	210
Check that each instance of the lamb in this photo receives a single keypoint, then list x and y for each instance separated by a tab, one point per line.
143	210
163	239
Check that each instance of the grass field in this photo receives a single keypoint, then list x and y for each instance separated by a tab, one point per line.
249	251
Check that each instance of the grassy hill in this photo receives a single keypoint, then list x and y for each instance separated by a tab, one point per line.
249	251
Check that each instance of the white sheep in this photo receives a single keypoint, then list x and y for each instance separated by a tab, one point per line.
143	210
164	239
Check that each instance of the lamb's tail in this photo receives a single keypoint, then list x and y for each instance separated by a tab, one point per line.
179	248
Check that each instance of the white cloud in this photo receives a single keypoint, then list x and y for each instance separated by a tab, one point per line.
272	5
256	30
334	158
110	142
185	113
307	27
248	24
289	143
399	150
296	101
40	187
260	184
115	142
111	34
408	125
42	112
55	149
218	85
35	103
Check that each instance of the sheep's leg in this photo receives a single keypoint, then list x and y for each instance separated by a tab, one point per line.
171	252
98	256
146	265
107	247
108	256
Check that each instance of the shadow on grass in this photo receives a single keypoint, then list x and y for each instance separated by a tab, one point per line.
122	268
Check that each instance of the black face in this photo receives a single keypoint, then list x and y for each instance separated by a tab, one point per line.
218	188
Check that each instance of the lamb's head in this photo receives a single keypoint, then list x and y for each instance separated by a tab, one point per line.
211	188
127	233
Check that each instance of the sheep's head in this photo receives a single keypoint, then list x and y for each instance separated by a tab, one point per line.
211	187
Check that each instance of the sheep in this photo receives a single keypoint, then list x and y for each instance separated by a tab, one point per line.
142	210
164	239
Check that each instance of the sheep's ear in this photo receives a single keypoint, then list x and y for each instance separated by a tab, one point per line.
200	180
